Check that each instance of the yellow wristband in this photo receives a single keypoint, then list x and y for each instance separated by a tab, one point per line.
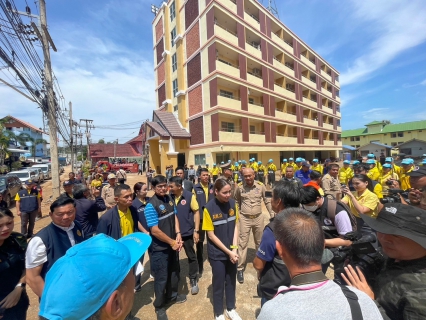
234	247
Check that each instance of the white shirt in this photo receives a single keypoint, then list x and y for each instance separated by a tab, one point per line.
36	251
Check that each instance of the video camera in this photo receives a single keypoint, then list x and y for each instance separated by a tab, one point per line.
393	196
361	253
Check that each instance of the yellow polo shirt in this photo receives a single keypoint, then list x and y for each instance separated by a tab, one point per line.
367	199
374	174
345	174
215	171
126	222
318	168
194	203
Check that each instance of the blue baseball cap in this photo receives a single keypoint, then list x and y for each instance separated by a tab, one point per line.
387	165
229	161
284	160
259	162
214	164
370	156
407	161
236	164
222	162
80	282
346	162
270	160
239	161
29	182
356	162
290	159
389	159
424	161
371	161
315	160
244	162
299	159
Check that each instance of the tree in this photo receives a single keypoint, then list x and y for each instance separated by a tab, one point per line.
24	138
101	141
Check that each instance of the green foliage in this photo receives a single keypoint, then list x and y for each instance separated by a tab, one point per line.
16	165
101	141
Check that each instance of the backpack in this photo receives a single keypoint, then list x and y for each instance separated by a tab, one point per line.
331	212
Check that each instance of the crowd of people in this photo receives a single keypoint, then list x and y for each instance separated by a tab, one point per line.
94	246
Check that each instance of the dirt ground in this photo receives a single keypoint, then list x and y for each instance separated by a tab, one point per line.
197	306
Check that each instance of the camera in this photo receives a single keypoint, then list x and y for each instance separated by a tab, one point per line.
389	182
393	195
360	254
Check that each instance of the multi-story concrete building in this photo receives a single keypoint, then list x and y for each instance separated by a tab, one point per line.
240	85
407	137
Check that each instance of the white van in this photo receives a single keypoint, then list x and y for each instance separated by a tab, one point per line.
46	168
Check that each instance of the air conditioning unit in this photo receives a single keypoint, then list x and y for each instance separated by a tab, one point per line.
256	72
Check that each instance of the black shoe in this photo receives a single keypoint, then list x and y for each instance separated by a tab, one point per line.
194	286
161	314
240	276
180	298
200	273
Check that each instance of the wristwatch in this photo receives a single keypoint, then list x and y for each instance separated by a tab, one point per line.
197	231
21	284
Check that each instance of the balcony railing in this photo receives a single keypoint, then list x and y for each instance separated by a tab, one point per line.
229	96
238	130
228	63
256	104
254	45
253	16
289	43
289	65
257	75
257	132
226	29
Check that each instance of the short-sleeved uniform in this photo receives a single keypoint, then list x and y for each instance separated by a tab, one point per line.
367	199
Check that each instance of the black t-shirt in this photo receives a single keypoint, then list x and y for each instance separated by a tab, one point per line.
3	204
12	263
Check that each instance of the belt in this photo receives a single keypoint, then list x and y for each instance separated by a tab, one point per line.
251	216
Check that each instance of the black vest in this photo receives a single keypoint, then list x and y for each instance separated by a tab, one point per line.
201	196
185	214
166	211
140	208
223	216
274	274
57	243
28	201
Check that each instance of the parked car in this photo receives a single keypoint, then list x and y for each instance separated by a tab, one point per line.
9	187
25	175
47	169
40	173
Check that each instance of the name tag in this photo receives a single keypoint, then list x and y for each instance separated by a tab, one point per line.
217	216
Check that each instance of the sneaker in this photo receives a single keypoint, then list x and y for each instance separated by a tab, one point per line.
180	298
233	315
221	317
151	276
240	276
161	314
194	286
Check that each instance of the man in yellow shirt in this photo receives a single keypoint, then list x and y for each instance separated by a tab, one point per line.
373	173
291	163
299	163
254	166
284	165
407	166
262	172
378	164
215	171
387	174
345	173
316	166
271	168
395	169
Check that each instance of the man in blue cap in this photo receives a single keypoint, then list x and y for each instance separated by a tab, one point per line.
407	167
371	156
284	165
345	173
374	173
316	166
304	173
395	169
261	171
299	161
94	279
271	168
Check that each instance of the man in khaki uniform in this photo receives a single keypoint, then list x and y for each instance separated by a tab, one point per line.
227	175
249	195
330	182
108	192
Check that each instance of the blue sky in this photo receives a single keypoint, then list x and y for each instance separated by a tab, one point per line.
105	67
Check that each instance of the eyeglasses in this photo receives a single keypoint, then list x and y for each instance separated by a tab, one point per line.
161	186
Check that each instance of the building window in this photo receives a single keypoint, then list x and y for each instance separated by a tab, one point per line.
26	129
200	159
409	132
357	138
175	108
172	11
357	146
400	134
352	138
175	87
393	135
226	94
174	62
251	100
420	130
228	126
252	129
253	155
173	36
393	144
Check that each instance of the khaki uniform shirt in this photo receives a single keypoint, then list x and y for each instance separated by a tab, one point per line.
249	198
108	196
331	186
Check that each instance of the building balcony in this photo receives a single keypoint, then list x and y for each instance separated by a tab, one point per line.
309	82
228	68
231	5
256	80
338	98
252	19
226	34
327	93
310	122
325	75
338	114
225	136
327	126
337	83
255	108
305	60
254	50
309	102
232	103
258	137
285	92
285	116
288	46
286	68
312	141
329	142
286	140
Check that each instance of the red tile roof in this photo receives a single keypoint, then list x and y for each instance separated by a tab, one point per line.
171	124
24	124
157	128
101	150
136	139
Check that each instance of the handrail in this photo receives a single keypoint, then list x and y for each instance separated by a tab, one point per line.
253	16
226	29
228	63
256	104
228	96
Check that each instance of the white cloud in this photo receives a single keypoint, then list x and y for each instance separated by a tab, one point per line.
395	25
377	114
423	83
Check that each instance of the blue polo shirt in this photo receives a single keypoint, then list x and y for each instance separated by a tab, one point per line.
304	176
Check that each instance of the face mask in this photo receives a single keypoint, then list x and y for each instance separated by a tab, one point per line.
310	208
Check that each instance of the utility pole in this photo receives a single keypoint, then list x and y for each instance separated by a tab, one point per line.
88	126
72	138
115	147
51	112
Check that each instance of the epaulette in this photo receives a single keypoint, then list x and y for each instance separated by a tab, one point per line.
261	183
20	239
240	184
